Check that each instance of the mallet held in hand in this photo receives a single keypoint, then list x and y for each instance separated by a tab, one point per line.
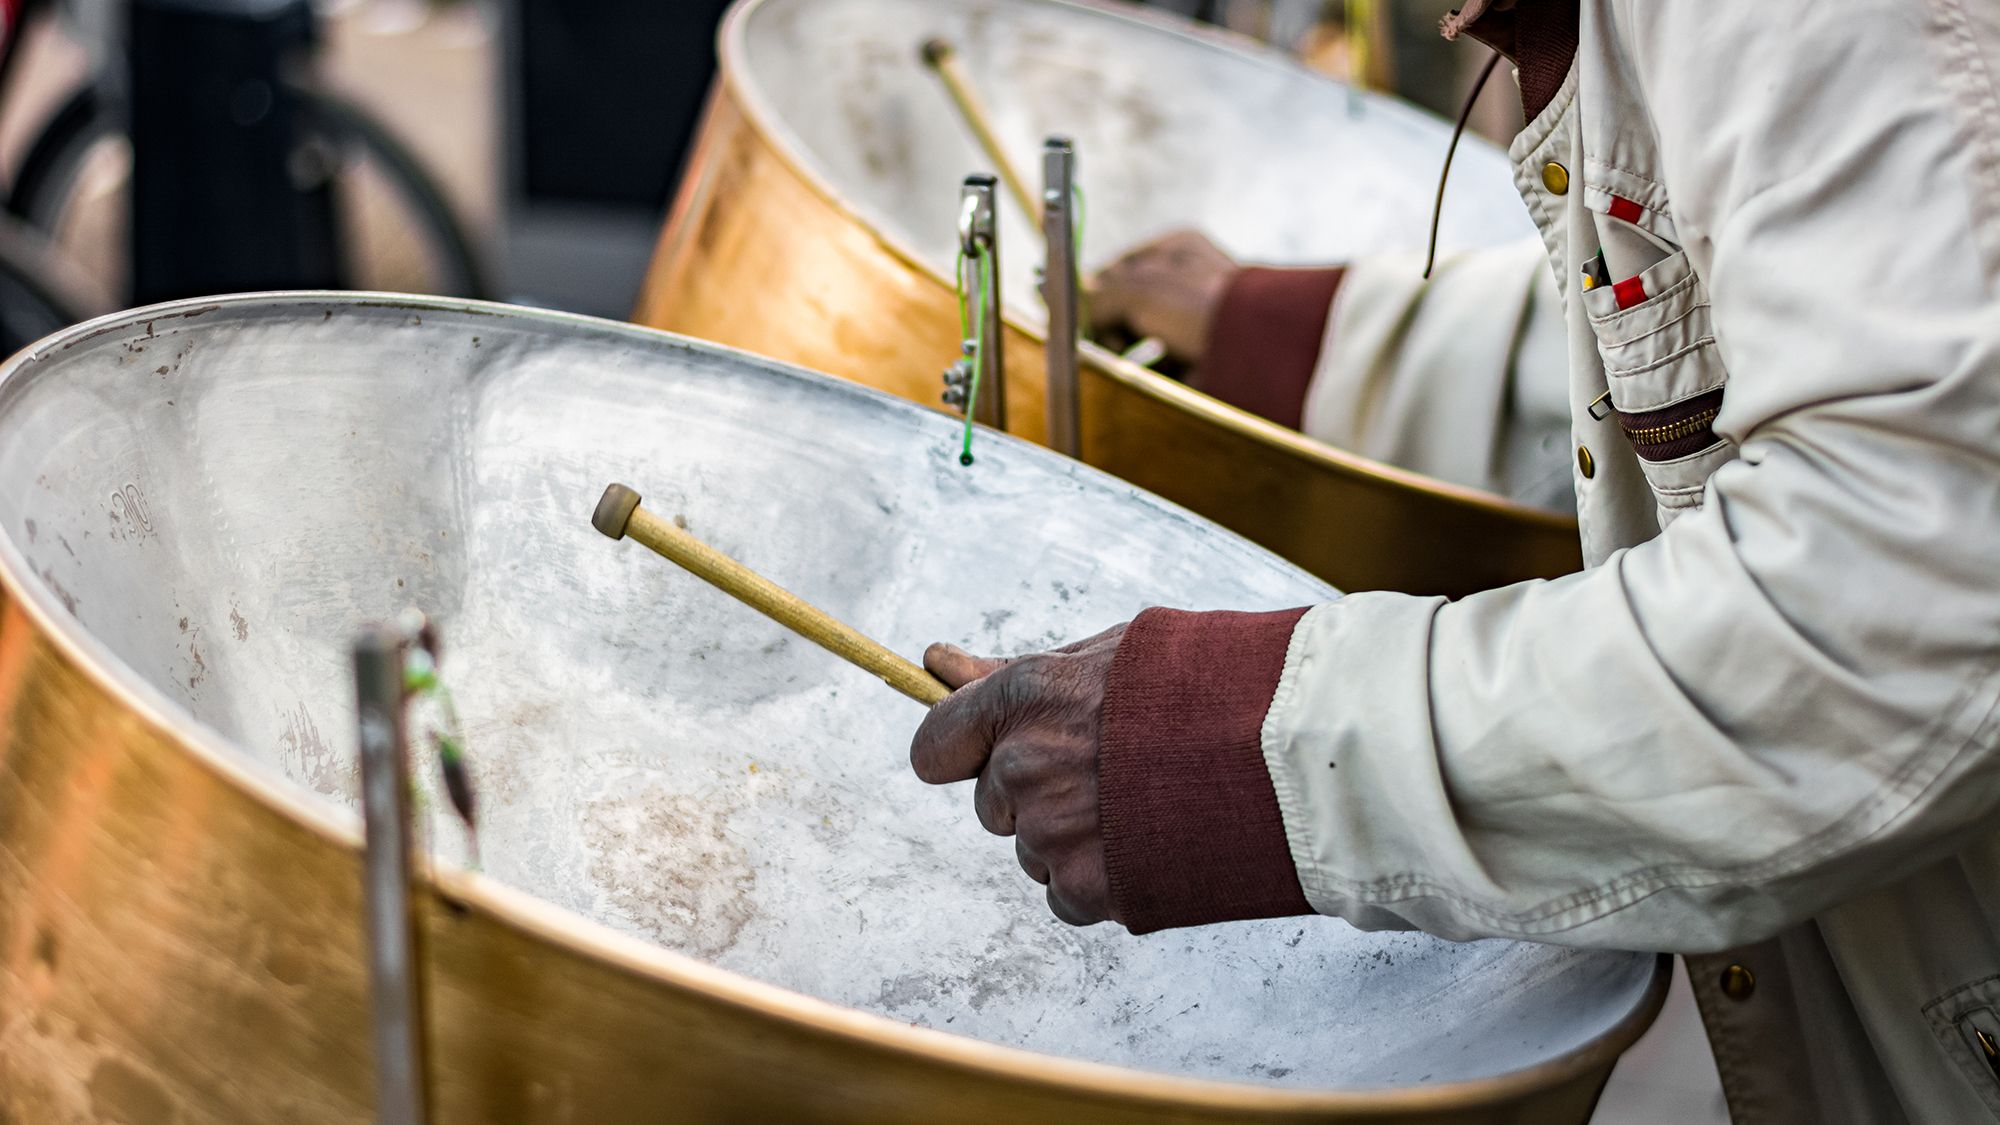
619	515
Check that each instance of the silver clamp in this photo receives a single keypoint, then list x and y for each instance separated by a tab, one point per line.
1060	292
979	240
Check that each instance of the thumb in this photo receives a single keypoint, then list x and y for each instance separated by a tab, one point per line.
957	667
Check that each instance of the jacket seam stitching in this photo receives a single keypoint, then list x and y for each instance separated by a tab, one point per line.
1980	104
1678	353
1695	456
1655	185
1270	739
1655	301
1680	318
1670	404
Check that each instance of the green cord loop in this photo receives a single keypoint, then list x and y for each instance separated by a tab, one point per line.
973	311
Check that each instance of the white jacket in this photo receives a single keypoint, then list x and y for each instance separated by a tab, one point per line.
1761	726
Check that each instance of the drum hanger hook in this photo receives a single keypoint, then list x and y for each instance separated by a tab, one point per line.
970	240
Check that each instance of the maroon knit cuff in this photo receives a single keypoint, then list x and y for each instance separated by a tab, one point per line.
1264	340
1192	833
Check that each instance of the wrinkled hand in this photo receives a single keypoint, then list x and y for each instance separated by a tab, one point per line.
1169	288
1027	728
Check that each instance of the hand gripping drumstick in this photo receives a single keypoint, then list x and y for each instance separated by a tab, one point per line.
619	515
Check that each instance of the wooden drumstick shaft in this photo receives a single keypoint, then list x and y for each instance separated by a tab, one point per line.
619	515
943	58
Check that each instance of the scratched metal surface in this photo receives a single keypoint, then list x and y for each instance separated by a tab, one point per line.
1277	163
221	494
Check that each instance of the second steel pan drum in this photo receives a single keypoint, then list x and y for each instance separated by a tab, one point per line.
712	888
817	223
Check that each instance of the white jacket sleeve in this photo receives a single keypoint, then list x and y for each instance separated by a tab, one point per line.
1461	377
1789	697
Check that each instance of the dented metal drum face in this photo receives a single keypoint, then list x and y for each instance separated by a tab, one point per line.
1276	163
206	501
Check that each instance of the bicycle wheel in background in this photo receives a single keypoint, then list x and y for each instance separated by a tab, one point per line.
40	293
399	232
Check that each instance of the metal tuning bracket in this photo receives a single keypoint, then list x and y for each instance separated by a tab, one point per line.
979	242
1060	292
394	962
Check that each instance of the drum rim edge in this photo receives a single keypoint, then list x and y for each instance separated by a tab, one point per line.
733	77
657	965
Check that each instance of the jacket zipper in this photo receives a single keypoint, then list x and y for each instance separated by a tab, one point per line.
1675	431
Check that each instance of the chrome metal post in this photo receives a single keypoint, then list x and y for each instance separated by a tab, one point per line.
981	237
394	972
1059	292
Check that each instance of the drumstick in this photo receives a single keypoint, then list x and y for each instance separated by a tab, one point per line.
942	57
618	515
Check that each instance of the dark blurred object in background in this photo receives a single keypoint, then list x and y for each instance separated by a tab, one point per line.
227	193
199	152
602	100
1281	23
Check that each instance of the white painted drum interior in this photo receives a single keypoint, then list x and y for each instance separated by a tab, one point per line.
1277	163
221	498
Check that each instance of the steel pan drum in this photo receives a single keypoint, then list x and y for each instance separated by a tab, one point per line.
817	223
712	887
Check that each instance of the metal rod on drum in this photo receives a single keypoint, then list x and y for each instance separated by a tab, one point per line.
979	235
942	57
394	968
1059	292
619	515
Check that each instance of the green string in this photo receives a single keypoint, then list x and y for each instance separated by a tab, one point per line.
1076	208
958	279
421	680
975	307
973	311
1082	300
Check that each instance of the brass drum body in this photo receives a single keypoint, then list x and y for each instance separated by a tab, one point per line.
816	223
712	888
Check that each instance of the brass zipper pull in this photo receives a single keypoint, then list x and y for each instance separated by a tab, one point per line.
1672	431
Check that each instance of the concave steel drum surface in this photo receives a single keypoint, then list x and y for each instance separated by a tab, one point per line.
712	888
817	223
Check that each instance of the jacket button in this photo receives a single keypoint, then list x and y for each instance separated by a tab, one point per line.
1738	982
1555	177
1585	463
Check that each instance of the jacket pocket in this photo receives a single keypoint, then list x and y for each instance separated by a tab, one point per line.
1966	1022
1665	378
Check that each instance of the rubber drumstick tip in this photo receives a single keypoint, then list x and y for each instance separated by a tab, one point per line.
614	510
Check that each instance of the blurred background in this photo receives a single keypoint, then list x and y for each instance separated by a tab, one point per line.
524	150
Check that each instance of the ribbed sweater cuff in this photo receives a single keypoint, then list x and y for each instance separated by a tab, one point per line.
1192	832
1263	343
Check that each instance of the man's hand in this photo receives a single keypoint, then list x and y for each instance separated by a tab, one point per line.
1028	729
1169	288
